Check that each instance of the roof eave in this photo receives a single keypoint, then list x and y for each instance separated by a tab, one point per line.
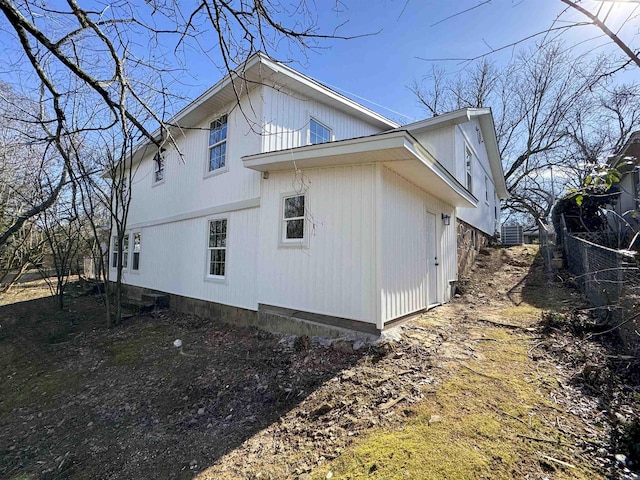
397	150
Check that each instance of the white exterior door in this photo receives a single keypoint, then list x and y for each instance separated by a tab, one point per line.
432	259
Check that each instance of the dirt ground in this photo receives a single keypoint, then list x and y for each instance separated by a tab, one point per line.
510	380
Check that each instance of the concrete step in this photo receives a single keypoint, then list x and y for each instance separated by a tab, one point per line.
138	306
158	300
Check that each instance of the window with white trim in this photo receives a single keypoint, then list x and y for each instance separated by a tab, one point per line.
218	143
293	216
318	133
468	158
137	243
125	251
114	252
217	247
158	168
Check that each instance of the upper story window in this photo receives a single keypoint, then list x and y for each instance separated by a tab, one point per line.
158	168
318	133
137	243
217	247
293	218
217	143
468	159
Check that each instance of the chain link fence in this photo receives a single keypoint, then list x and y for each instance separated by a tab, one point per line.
610	279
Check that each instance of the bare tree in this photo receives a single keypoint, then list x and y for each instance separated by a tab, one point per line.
554	114
31	178
63	229
597	14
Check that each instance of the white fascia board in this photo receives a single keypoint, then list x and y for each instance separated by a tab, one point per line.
392	148
493	152
487	126
451	118
314	154
310	84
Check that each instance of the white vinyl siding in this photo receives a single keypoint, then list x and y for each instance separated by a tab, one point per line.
185	190
483	216
403	245
286	117
336	274
183	271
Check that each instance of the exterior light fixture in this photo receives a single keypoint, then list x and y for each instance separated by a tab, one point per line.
446	219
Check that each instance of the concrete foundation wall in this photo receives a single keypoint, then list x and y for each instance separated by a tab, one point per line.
271	319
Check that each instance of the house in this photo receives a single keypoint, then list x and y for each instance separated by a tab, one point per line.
626	222
290	206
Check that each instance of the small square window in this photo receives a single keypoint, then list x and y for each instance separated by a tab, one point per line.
318	133
217	247
218	143
293	218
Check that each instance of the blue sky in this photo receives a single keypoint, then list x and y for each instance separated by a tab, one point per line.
379	68
376	70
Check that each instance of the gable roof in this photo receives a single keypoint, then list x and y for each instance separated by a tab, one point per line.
487	126
259	69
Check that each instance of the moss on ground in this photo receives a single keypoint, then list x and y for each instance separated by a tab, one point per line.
481	423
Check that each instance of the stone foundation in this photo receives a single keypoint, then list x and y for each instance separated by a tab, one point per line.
470	240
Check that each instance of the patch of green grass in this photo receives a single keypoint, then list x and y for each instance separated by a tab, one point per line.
34	385
133	350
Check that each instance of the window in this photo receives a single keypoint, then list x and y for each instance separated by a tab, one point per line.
217	247
479	135
486	189
114	253
158	168
293	218
125	251
468	159
318	133
135	263
217	143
